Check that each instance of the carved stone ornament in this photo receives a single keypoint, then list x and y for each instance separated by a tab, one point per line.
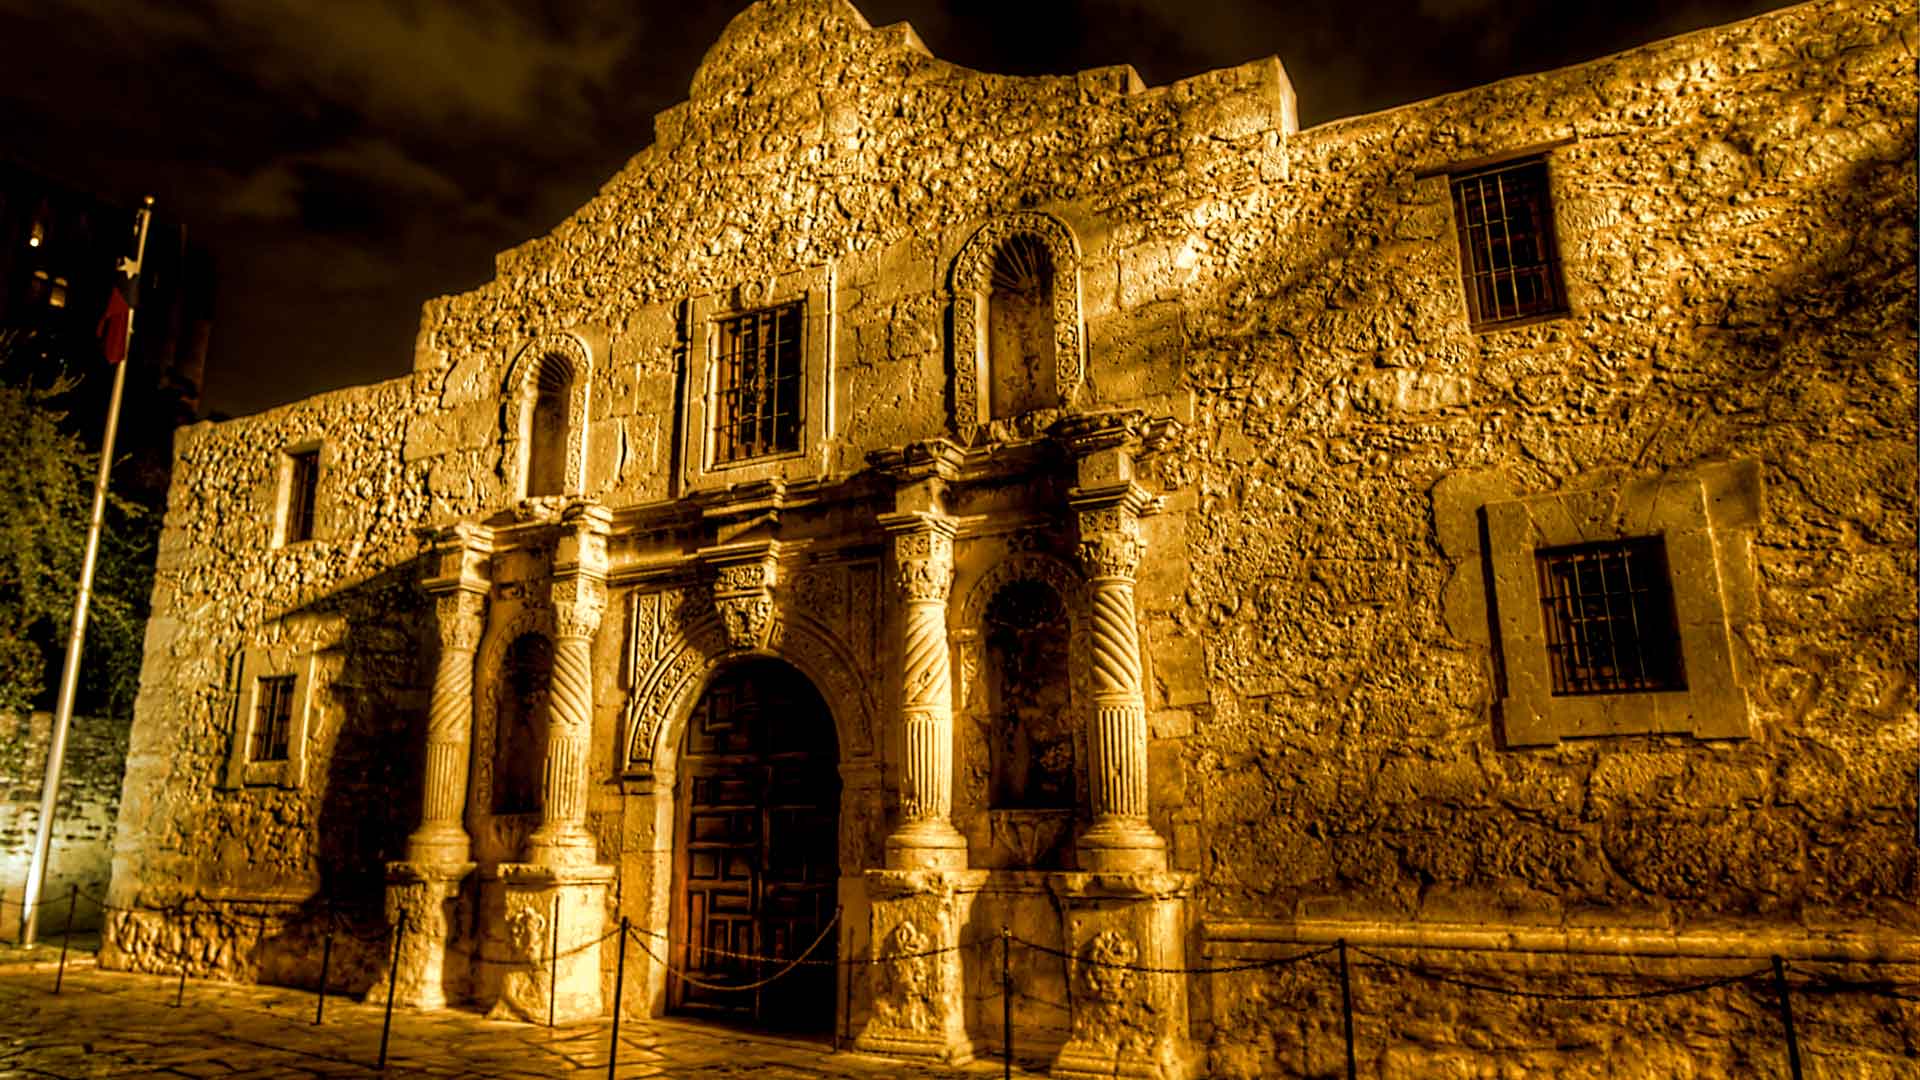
904	1000
743	595
458	614
527	934
1110	554
972	278
578	604
923	564
1105	974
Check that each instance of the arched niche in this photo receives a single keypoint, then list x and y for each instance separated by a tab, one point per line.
544	414
497	834
1018	335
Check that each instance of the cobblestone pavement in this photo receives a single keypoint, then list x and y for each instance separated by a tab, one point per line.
111	1024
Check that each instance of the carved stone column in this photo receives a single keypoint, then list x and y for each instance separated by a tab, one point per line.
426	885
579	599
1109	505
923	573
554	903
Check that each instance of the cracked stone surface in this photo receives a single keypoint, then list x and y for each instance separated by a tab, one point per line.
110	1024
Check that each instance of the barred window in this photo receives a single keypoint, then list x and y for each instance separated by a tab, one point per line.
1608	613
1507	256
754	405
272	717
303	483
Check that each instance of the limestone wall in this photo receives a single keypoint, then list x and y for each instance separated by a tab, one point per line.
341	609
1735	218
82	851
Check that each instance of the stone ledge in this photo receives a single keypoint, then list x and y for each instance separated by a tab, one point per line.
1883	946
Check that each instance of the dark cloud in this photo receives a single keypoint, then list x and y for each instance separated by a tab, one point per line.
347	160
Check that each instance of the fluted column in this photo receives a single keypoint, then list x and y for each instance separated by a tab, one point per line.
923	575
579	599
442	836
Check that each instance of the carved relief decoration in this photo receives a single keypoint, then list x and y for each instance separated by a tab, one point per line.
923	564
1115	1010
904	1000
457	613
517	396
491	666
972	274
674	645
578	603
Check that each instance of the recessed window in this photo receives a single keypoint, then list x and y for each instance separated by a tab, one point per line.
550	427
1608	613
272	718
303	483
57	296
754	403
1507	257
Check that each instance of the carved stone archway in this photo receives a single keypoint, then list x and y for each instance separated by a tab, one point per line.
972	280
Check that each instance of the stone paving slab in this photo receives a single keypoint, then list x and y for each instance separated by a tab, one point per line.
112	1024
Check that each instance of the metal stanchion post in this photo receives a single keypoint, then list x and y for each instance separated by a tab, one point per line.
73	897
326	961
1346	1009
1006	1003
553	961
180	991
393	979
619	982
1786	1014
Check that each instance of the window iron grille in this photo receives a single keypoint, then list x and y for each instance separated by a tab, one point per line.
1508	260
1608	613
272	717
303	484
755	401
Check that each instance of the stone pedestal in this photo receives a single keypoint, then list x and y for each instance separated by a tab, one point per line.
1126	1022
555	915
428	895
919	991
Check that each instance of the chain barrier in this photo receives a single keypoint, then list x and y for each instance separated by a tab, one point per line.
848	962
1544	995
1252	965
757	984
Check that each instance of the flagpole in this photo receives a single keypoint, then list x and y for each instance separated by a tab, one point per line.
70	672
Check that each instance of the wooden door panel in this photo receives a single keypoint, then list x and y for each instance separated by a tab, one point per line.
757	869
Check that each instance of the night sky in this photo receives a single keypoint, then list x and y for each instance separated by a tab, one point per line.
346	160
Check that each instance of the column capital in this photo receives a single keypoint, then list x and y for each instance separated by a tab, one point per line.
458	614
578	602
922	554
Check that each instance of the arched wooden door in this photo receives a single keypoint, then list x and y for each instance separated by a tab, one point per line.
756	859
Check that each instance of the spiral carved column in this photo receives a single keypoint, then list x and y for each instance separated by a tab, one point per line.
1120	838
427	885
562	838
441	837
923	569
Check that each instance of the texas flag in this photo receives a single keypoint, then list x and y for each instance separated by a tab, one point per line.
116	326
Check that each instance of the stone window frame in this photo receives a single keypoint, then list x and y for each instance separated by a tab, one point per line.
972	281
284	494
265	662
813	289
1706	518
521	393
1454	171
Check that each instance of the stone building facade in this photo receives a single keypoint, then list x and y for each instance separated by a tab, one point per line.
908	502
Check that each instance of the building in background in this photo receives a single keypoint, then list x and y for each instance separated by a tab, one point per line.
908	503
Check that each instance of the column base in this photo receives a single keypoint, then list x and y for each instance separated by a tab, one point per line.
1125	1022
568	845
927	845
1121	845
554	915
919	991
425	892
442	844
